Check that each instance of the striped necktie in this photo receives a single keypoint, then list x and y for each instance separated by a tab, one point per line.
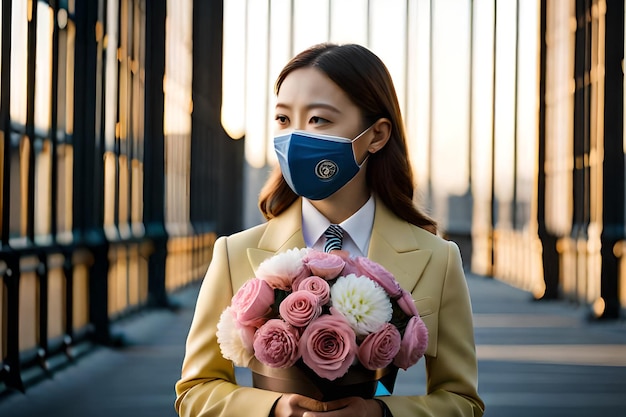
334	236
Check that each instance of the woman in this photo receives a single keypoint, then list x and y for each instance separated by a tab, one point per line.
338	103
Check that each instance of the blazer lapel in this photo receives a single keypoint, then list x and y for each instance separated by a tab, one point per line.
282	233
396	247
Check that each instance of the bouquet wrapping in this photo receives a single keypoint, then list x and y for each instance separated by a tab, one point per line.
325	325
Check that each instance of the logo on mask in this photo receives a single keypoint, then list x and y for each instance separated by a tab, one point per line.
326	169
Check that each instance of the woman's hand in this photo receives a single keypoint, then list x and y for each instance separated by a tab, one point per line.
348	407
295	405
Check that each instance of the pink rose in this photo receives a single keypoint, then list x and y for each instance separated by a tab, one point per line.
406	304
276	344
300	308
328	346
253	302
413	345
325	265
296	282
314	285
380	348
377	273
351	266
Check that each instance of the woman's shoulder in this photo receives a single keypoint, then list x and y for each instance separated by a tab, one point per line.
395	225
429	238
253	233
231	251
443	251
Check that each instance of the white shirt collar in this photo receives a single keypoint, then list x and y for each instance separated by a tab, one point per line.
358	227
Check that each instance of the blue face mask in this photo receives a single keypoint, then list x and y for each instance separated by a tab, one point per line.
315	166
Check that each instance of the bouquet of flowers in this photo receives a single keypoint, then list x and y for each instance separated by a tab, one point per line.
321	316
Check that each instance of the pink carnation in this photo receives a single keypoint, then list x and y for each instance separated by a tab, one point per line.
413	345
380	348
328	346
325	265
234	339
300	308
253	302
276	344
314	285
282	269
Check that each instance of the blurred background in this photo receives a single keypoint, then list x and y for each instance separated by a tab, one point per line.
134	132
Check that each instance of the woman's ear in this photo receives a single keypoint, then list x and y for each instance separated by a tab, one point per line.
382	132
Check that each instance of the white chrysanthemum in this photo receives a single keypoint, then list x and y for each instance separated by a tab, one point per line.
284	264
230	339
362	302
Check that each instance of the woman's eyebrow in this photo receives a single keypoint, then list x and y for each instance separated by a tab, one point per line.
311	106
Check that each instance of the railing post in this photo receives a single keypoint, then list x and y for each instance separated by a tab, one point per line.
98	293
613	221
12	365
42	278
217	162
154	166
550	255
88	165
68	273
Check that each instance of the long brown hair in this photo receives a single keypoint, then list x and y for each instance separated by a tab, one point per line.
366	80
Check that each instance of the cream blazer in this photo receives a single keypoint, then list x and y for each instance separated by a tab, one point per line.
424	264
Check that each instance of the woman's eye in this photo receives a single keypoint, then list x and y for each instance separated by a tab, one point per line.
281	119
318	120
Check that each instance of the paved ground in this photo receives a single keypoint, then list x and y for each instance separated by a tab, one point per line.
539	359
544	359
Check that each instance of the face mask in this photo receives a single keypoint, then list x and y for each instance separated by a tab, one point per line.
315	166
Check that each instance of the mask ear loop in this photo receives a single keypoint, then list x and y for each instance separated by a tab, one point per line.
352	143
362	133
